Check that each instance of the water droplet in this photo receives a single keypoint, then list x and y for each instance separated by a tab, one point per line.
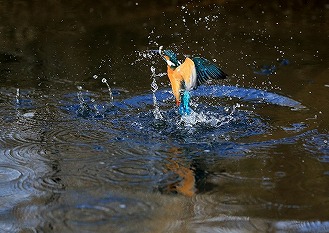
17	95
104	80
152	70
156	111
95	76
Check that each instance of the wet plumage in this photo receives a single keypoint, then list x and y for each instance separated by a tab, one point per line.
188	75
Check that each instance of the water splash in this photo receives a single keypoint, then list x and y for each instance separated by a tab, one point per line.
104	80
84	110
97	112
209	118
79	95
17	96
154	88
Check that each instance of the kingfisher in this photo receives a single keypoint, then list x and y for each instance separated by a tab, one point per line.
187	76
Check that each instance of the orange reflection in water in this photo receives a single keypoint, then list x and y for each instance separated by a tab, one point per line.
186	185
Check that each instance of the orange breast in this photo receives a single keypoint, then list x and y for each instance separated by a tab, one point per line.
184	73
175	81
188	73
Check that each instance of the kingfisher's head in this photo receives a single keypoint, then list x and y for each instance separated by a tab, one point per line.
170	57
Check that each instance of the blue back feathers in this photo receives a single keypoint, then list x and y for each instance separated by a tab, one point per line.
207	70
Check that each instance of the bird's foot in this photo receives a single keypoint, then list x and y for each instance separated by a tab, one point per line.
184	107
184	111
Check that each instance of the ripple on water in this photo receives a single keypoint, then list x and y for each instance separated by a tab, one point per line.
241	189
85	213
301	226
220	112
318	144
127	167
9	173
224	223
206	126
129	172
250	95
210	121
15	183
59	183
26	153
80	134
22	134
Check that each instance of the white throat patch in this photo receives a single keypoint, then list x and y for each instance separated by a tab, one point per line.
170	63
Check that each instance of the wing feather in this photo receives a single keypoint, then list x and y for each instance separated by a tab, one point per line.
206	70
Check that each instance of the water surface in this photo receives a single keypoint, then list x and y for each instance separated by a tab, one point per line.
252	157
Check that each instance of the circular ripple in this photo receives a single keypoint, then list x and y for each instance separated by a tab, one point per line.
220	113
318	144
129	172
15	182
91	213
78	134
26	153
58	183
8	174
126	169
22	134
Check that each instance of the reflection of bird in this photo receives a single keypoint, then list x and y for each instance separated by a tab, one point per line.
188	75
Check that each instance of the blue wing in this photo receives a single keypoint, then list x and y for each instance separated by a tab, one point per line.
207	70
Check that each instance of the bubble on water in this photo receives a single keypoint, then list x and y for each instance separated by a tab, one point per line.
79	88
95	76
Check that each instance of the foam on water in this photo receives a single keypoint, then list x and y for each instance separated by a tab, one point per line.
209	118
